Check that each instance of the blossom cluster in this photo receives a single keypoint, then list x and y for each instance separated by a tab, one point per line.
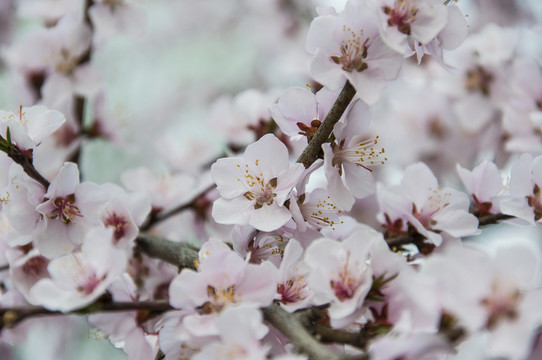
351	206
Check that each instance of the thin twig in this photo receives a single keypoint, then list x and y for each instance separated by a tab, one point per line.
304	342
493	219
310	153
27	164
12	316
154	219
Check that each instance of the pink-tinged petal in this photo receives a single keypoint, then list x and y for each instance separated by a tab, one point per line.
19	135
484	181
419	182
232	211
247	322
514	339
297	104
360	181
537	170
457	223
319	35
521	183
384	59
51	296
65	182
369	84
268	156
187	290
326	72
201	325
336	188
259	284
287	180
269	217
356	120
430	20
456	29
297	215
517	207
42	122
229	176
54	242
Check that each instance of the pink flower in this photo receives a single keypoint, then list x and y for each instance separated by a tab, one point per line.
484	184
420	202
79	278
404	23
223	279
299	112
293	286
68	213
241	329
340	274
30	125
497	294
524	200
348	46
253	188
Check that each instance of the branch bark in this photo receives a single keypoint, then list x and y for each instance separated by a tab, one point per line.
310	153
292	328
12	316
183	255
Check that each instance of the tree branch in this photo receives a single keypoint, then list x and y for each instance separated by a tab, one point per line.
292	328
493	219
183	255
154	219
27	164
310	153
12	316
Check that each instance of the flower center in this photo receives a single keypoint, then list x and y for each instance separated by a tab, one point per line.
501	305
347	283
353	52
435	202
262	193
401	15
534	202
479	79
364	154
322	213
36	267
219	298
67	63
118	223
89	283
293	290
66	209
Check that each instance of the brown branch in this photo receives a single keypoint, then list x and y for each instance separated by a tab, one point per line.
12	316
79	102
304	342
183	255
310	153
27	164
154	219
493	219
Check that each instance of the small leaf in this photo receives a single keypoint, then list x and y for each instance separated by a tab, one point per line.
8	135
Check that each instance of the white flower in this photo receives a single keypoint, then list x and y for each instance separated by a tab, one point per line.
30	125
254	188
